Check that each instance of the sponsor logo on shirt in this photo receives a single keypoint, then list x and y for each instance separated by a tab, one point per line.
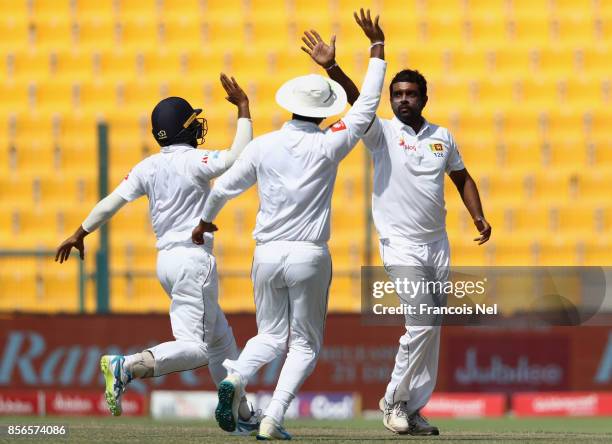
205	159
403	144
126	176
338	126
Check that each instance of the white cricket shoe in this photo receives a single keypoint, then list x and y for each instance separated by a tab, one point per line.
395	416
270	430
229	393
116	379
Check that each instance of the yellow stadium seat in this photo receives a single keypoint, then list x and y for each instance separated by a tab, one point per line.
63	188
549	188
96	96
515	251
16	95
98	9
530	31
597	123
159	64
80	128
139	96
526	220
529	8
344	294
37	155
447	31
16	188
236	294
584	93
77	157
182	8
465	252
540	92
222	9
52	33
182	32
205	64
449	91
573	30
225	35
469	63
594	185
56	95
491	91
515	154
557	252
486	9
597	252
147	9
600	152
14	34
308	9
73	64
50	9
556	61
561	155
138	33
592	59
97	34
29	65
265	36
568	8
486	31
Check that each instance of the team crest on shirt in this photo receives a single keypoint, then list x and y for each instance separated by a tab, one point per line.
437	149
338	126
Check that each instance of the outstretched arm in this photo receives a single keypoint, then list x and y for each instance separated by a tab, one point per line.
240	177
244	126
102	212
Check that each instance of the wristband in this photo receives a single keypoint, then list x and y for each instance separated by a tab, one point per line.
377	43
330	67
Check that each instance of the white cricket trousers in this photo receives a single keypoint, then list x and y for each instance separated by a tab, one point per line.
202	335
291	284
416	363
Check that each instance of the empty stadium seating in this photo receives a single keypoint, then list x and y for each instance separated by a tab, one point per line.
523	84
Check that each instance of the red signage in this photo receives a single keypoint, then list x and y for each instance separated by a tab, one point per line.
19	402
42	352
473	405
562	404
519	361
91	403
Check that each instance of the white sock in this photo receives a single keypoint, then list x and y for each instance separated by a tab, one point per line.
278	406
140	365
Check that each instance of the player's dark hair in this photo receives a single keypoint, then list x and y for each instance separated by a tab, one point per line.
411	76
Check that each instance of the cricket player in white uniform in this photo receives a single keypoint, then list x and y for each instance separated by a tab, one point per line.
176	182
411	156
295	169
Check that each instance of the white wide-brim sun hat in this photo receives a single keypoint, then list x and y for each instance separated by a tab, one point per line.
312	96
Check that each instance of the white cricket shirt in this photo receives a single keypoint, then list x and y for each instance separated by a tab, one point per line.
408	193
176	181
295	168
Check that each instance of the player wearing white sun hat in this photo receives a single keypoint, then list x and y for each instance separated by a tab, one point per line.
295	169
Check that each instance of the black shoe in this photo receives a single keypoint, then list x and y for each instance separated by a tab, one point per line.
419	426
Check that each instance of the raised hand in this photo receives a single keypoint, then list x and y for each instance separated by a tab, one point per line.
235	94
322	53
371	28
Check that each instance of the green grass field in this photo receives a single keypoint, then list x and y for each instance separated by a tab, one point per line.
118	430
